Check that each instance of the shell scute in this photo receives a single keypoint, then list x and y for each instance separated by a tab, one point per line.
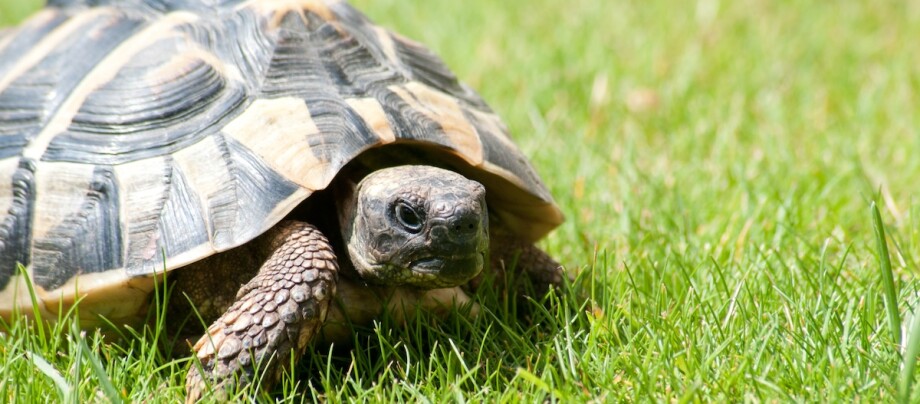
86	240
172	95
34	89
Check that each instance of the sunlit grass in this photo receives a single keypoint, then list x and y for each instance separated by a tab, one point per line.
716	162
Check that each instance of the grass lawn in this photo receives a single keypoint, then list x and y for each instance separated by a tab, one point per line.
716	162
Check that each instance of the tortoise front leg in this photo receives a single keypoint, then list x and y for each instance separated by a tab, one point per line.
274	316
508	253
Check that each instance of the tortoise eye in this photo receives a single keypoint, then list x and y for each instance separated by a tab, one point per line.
408	217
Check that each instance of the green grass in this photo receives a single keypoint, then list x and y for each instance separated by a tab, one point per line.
716	162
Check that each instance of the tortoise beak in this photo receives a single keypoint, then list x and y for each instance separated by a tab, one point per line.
449	271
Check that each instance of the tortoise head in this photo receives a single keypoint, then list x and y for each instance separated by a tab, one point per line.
416	225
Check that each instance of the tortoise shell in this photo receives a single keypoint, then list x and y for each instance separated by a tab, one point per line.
139	136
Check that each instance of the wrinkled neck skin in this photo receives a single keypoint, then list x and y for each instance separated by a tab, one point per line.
414	226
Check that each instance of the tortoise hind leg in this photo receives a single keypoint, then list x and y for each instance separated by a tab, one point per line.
274	317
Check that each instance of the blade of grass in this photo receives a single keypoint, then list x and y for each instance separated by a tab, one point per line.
52	373
104	382
890	294
909	361
39	324
538	382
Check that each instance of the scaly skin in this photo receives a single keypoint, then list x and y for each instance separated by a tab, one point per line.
275	315
522	257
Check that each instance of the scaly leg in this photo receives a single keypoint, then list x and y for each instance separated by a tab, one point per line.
274	317
509	253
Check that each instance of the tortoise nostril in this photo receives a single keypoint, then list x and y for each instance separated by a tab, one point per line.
465	224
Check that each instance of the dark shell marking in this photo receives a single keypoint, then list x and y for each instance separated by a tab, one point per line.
136	129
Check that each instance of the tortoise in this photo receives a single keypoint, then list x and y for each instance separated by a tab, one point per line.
263	158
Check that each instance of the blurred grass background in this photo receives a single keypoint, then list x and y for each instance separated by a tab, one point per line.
14	11
715	160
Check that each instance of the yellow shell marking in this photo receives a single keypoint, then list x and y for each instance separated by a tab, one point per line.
277	131
374	116
444	110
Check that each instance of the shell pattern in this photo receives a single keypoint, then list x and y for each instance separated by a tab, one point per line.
133	132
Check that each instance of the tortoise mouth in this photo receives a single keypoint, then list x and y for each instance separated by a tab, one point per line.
449	270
